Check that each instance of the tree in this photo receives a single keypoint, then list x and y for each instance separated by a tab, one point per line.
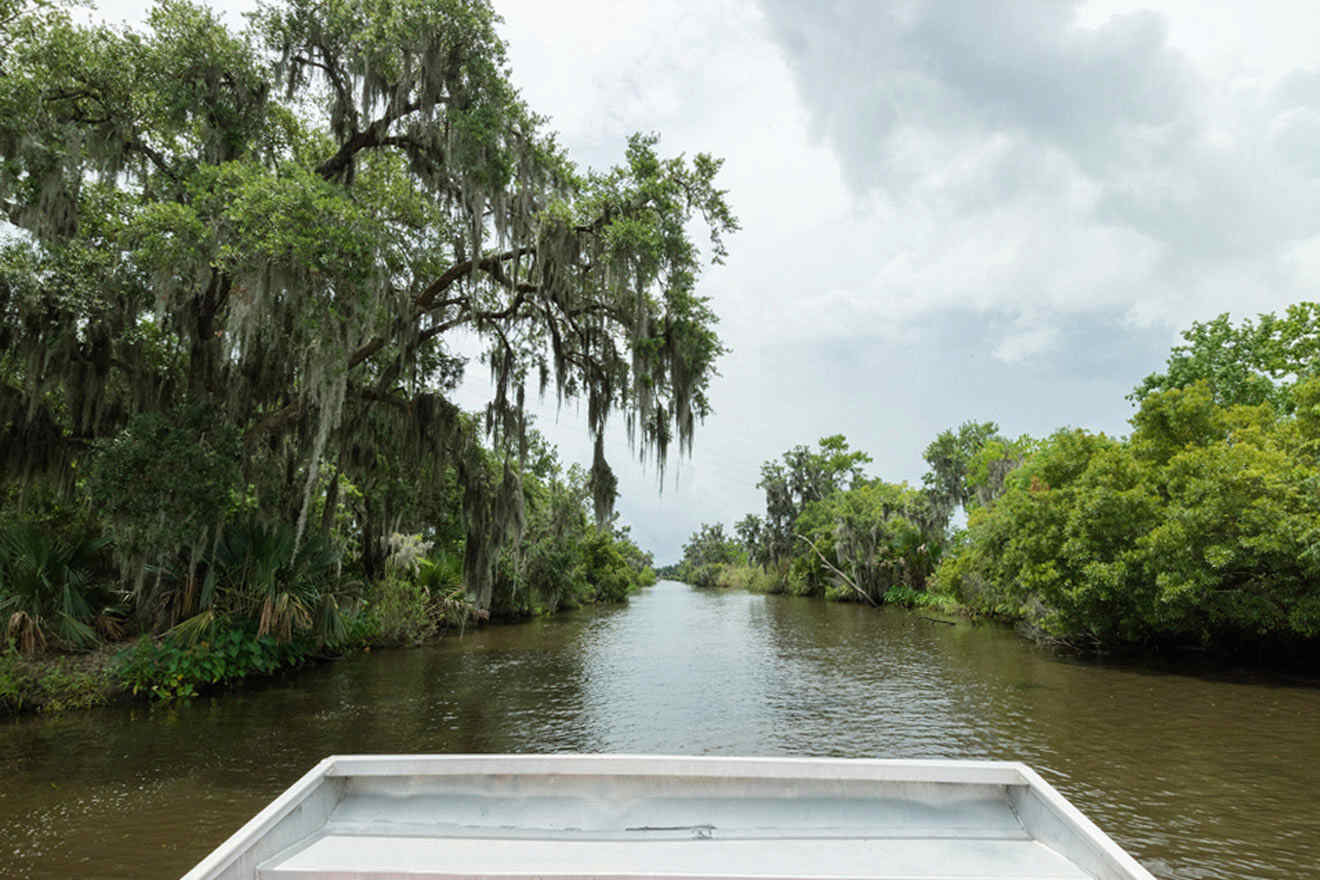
950	457
1252	363
751	532
706	552
803	476
988	470
284	226
859	543
1201	528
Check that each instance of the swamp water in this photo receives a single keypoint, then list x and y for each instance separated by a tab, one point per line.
1198	776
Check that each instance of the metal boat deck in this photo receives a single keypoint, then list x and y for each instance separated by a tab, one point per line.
570	816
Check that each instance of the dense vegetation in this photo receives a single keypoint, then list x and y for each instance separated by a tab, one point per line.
233	271
1200	528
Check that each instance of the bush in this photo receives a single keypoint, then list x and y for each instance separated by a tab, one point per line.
51	686
610	575
17	684
167	669
49	588
64	686
287	588
418	596
161	487
762	581
400	612
904	595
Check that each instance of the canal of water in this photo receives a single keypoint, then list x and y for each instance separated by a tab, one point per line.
1198	775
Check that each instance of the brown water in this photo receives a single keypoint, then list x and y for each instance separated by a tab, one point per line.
1197	776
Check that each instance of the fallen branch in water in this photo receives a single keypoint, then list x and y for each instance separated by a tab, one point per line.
847	580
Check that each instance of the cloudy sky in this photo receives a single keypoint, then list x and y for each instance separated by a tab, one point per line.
952	209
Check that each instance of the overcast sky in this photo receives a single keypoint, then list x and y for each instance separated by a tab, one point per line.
952	209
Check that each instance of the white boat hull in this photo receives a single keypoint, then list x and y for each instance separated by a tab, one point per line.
617	816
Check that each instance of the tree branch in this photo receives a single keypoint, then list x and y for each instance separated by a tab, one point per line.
156	157
847	580
373	136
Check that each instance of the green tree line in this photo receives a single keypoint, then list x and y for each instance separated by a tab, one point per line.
234	267
1199	528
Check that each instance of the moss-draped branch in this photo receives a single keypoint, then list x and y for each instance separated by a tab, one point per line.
285	225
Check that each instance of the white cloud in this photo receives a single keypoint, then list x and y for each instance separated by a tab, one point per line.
998	209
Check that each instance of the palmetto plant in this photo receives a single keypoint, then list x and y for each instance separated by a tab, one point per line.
260	572
441	574
48	589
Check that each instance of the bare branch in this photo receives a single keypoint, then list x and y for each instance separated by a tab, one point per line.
847	580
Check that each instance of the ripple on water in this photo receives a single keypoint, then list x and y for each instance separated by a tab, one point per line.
1199	778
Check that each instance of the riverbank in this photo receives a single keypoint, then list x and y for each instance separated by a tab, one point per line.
150	669
163	669
1295	657
58	683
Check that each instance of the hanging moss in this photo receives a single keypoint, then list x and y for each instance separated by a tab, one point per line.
281	227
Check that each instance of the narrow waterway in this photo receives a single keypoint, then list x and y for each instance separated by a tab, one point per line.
1199	776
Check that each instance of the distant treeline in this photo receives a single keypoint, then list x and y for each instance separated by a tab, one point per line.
1201	527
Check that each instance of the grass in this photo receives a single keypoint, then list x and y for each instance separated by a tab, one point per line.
54	684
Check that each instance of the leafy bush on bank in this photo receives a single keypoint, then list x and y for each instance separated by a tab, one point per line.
751	578
1199	528
166	669
53	686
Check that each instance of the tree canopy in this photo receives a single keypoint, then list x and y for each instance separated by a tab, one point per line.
802	476
1254	362
264	240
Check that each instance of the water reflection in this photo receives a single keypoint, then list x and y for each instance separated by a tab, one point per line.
1199	777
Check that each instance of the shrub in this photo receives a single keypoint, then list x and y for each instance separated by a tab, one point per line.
609	573
167	669
263	574
762	581
161	487
17	684
400	612
902	594
49	589
733	577
63	686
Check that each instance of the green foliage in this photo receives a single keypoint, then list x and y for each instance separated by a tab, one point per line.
419	596
802	477
858	543
261	572
829	531
62	687
168	669
707	554
242	258
1200	528
48	587
1253	363
901	594
1059	546
751	578
162	486
52	686
951	456
16	684
988	470
612	579
400	612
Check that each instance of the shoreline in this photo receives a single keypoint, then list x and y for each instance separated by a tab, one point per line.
1278	662
53	684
